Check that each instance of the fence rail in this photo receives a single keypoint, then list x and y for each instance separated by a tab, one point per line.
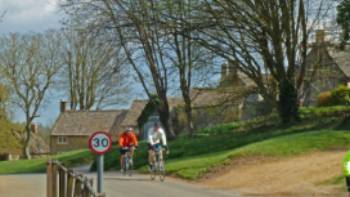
64	182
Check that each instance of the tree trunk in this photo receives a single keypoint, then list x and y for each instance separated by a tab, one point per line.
288	104
185	89
164	117
26	145
189	123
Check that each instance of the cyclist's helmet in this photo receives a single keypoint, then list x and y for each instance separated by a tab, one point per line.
129	129
156	124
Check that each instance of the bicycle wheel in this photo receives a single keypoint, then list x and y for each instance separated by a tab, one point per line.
126	165
153	171
161	171
131	165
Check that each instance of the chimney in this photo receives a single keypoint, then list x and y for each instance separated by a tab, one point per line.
320	36
34	128
63	106
224	73
233	70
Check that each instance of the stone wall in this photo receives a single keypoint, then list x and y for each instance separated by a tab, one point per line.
205	116
71	143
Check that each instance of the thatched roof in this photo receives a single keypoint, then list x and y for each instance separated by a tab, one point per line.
84	123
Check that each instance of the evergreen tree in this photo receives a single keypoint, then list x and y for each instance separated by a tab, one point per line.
343	19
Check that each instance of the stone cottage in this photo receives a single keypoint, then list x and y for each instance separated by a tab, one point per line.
233	99
327	67
73	128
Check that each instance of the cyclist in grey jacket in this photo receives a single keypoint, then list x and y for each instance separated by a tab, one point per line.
156	137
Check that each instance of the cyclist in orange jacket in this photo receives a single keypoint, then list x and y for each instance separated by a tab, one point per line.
127	142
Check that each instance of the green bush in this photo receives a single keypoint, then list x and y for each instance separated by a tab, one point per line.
324	98
323	112
338	96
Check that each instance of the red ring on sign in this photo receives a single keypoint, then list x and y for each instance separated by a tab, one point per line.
109	145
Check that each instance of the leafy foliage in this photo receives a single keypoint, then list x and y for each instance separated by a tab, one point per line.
9	143
338	96
343	19
324	98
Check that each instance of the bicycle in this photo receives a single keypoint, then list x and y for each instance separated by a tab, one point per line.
158	167
127	163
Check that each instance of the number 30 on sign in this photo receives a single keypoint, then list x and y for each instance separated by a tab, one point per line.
100	142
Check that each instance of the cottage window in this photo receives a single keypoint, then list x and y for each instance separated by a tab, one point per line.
62	140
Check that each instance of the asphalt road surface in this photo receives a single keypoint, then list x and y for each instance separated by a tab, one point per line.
115	185
141	185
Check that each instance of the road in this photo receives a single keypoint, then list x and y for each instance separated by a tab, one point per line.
33	185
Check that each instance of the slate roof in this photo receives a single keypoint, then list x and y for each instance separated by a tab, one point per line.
134	112
84	123
342	59
213	97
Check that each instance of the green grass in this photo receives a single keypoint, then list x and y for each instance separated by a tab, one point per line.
191	158
320	129
69	159
208	142
282	146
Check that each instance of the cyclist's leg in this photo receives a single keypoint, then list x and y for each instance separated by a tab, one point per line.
121	161
132	149
151	155
131	154
126	161
122	155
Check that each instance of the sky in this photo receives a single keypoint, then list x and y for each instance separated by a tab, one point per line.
29	15
24	16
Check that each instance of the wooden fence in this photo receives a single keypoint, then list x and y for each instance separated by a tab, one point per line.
64	182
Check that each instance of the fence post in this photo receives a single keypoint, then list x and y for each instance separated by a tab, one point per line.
70	182
49	170
62	182
54	179
78	185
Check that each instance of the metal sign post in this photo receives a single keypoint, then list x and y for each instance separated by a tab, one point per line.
100	173
99	143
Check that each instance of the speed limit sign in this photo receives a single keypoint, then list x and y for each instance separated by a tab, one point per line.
100	142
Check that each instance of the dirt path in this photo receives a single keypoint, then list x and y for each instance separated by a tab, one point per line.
296	176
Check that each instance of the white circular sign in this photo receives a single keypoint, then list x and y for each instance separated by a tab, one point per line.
100	142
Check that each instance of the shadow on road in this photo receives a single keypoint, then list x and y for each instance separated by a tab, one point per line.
127	179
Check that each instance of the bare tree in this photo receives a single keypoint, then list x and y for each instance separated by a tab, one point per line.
268	39
131	24
184	54
29	64
144	49
154	44
95	71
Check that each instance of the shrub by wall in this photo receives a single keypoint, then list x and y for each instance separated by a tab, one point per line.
337	96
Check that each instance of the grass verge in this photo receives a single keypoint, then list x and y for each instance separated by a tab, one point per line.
283	146
69	159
